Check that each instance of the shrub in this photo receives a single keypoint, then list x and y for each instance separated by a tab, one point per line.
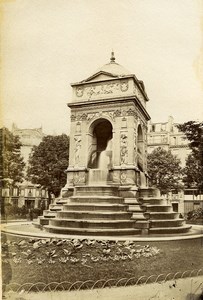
36	212
195	214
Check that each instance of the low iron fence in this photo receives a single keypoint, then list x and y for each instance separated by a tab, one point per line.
102	283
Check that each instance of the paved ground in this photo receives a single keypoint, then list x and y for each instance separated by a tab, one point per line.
27	229
180	289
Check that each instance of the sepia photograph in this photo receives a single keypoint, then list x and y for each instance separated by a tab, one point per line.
101	171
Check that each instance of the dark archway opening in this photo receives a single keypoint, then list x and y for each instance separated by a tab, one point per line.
101	135
140	146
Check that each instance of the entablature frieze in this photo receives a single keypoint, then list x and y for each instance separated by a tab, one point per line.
112	114
116	108
107	87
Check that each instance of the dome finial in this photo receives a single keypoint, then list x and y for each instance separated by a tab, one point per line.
112	59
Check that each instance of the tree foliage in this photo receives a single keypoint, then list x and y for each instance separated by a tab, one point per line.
164	170
193	171
193	131
48	162
12	164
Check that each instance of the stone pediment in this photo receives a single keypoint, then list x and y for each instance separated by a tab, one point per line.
100	76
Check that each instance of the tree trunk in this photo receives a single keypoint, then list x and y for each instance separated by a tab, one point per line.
49	198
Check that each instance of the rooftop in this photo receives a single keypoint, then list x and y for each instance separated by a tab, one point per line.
113	68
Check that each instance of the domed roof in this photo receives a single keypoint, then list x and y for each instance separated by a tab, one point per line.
113	68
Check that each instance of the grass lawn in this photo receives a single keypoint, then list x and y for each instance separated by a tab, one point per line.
47	260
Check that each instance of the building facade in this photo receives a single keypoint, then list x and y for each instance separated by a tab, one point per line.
26	193
185	201
167	136
28	138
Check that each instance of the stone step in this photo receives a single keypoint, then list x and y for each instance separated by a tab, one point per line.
149	192
62	201
94	207
138	216
157	208
43	221
55	207
88	223
37	225
49	216
93	232
161	215
153	200
170	230
94	215
131	201
135	208
142	224
48	213
166	223
105	190
96	199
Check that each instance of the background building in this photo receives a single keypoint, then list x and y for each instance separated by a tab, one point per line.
26	193
28	138
169	137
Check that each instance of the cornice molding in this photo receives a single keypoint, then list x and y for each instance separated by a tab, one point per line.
115	101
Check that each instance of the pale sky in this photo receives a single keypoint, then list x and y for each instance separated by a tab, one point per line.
48	44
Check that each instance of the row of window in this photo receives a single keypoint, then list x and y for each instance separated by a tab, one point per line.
23	192
164	139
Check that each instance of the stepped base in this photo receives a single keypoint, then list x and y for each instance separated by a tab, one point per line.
37	225
108	211
87	215
93	232
84	224
170	230
95	207
43	221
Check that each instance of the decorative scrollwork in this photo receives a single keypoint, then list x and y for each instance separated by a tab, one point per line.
124	86
79	91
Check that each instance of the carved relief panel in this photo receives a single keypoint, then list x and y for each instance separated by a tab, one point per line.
123	149
101	90
77	149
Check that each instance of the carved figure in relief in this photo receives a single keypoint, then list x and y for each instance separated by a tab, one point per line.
102	89
79	178
123	177
90	91
123	149
77	150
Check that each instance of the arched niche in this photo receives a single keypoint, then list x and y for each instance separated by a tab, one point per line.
140	147
100	133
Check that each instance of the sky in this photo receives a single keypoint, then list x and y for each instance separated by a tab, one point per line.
48	44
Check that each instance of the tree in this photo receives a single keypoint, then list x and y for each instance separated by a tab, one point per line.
48	162
193	171
12	164
164	170
193	131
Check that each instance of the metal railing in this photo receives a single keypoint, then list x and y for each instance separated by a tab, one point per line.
101	283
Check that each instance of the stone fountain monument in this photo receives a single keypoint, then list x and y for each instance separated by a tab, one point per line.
107	183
